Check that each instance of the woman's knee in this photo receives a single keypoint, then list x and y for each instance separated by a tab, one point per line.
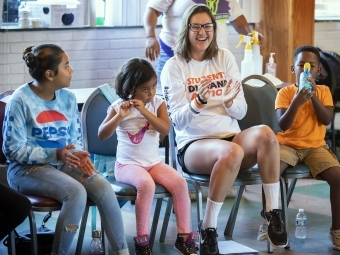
232	156
265	135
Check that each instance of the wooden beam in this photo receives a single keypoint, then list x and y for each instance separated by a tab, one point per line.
285	25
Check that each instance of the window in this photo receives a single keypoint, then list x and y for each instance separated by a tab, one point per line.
327	10
10	11
120	12
10	14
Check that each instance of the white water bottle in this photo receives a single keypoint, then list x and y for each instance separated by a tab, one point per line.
300	225
96	247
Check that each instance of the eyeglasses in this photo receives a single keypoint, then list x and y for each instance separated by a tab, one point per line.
208	27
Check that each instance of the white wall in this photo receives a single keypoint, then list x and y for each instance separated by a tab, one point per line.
327	36
96	53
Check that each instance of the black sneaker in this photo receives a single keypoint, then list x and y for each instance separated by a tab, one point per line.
143	250
277	234
208	242
142	245
187	247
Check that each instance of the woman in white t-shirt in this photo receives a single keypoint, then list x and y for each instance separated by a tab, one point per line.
205	99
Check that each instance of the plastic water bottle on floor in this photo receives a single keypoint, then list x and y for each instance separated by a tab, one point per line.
300	225
96	247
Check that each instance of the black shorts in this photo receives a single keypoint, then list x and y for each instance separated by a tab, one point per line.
181	152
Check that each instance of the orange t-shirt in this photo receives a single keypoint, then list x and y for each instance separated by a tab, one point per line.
306	131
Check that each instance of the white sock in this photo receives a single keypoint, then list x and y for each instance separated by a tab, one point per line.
211	213
271	192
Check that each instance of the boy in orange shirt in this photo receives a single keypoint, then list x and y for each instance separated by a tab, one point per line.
303	117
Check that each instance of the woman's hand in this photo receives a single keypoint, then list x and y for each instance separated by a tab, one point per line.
85	163
230	92
203	89
65	156
124	109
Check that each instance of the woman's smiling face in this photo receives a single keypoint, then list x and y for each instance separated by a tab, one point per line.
200	41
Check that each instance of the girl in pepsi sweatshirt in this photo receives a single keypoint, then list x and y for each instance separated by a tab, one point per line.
43	144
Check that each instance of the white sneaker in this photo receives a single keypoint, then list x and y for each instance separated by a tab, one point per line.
263	232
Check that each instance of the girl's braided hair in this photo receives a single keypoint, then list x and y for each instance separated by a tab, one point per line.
41	58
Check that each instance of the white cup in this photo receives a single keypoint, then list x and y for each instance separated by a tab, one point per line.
24	23
35	23
24	14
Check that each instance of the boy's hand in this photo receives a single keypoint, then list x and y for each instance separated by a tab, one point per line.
312	81
302	96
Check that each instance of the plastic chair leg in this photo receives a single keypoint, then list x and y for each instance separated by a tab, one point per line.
12	241
166	219
229	229
155	221
82	231
284	207
290	190
199	198
33	227
269	247
105	241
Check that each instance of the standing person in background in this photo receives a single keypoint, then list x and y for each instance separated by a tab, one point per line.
43	144
205	99
172	11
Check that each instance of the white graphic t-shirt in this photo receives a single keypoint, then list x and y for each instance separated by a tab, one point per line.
179	81
138	141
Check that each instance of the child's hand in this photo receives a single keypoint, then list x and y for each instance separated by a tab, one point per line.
124	109
85	164
139	105
302	96
312	81
65	156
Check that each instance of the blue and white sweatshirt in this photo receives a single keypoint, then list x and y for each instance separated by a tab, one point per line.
35	128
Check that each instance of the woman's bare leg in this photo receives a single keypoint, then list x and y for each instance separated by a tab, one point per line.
221	159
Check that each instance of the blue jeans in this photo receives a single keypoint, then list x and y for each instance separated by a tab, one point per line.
69	187
162	58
